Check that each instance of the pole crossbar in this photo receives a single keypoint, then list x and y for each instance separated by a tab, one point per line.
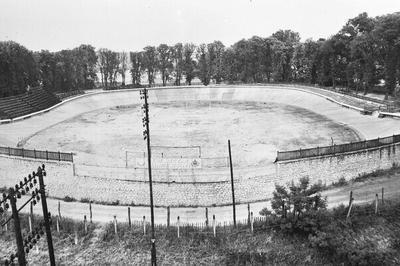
38	194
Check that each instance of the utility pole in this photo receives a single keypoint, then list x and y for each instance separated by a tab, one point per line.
40	173
146	135
233	188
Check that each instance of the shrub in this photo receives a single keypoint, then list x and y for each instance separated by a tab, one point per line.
69	199
340	183
298	207
85	200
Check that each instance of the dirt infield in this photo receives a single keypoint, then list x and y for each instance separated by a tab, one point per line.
257	131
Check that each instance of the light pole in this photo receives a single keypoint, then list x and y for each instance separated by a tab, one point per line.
146	135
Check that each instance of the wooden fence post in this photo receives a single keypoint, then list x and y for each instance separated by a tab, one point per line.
115	226
58	224
178	224
348	213
85	224
31	212
214	226
144	225
5	212
76	236
252	222
129	217
376	203
351	198
206	217
59	209
30	223
168	216
90	211
248	214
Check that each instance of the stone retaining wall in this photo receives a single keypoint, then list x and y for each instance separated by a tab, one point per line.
347	165
61	182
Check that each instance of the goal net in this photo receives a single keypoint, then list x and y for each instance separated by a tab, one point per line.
166	157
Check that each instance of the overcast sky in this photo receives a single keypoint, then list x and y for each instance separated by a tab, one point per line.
130	25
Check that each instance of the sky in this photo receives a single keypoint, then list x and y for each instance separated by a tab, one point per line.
130	25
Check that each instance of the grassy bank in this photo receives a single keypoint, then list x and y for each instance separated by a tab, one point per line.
365	238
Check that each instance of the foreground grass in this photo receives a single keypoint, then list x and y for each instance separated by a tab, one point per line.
363	239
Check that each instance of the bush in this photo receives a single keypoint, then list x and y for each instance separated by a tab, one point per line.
85	200
298	207
69	199
340	183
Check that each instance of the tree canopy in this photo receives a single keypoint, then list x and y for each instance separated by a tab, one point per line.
363	55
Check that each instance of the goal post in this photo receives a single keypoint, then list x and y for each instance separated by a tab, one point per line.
176	151
174	157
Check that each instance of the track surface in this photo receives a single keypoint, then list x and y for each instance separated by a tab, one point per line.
366	127
257	130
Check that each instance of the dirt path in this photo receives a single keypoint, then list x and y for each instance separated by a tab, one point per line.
362	192
365	191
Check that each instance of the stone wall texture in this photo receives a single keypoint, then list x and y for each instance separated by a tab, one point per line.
347	165
61	181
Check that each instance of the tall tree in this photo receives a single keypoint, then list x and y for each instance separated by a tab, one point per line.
84	61
150	62
204	64
283	53
178	63
189	64
164	54
47	65
229	63
18	68
136	67
387	32
123	59
216	51
109	66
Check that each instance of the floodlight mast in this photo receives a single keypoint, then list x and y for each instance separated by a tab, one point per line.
146	134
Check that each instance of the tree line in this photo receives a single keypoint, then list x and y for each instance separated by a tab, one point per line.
365	52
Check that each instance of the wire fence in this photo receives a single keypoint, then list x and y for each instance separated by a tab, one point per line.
334	149
38	154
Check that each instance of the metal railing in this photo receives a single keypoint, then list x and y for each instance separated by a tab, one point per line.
37	154
335	149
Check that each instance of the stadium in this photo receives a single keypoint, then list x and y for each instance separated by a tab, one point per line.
199	133
100	154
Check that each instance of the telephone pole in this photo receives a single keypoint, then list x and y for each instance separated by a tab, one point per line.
146	135
233	187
